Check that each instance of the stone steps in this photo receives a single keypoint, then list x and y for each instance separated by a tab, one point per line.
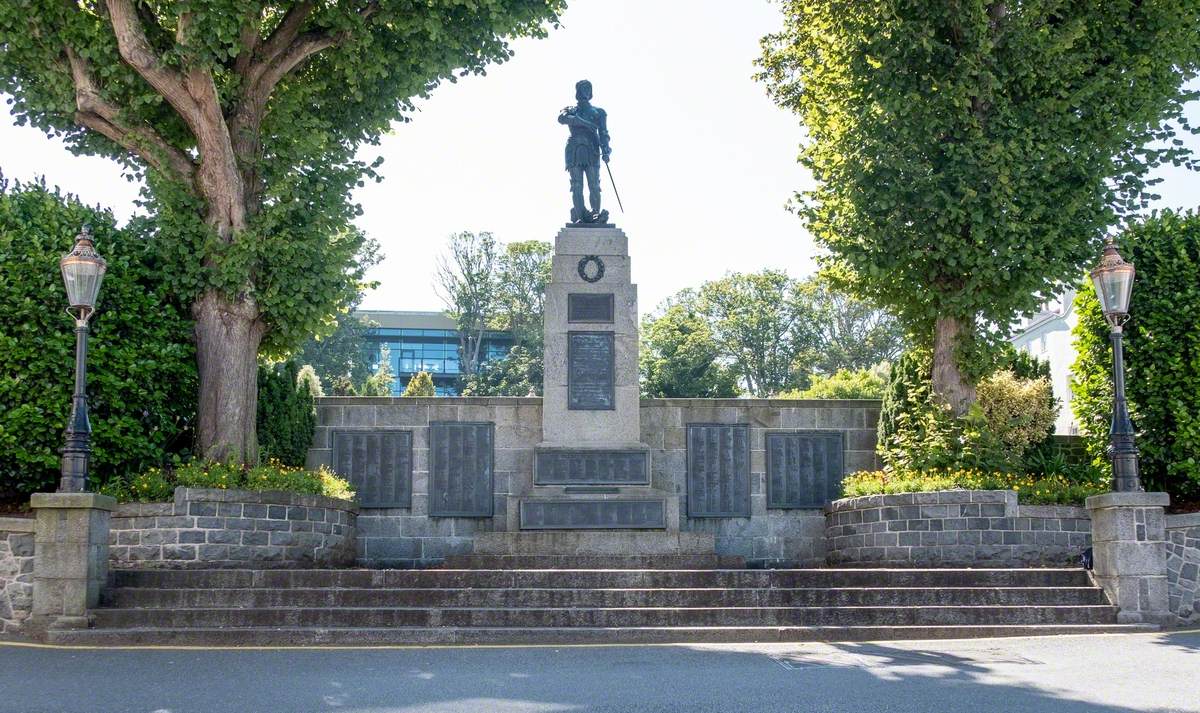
637	562
558	604
249	598
593	579
527	617
448	636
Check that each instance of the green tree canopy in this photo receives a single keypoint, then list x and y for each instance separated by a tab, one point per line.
246	117
141	363
1162	355
766	331
679	357
968	156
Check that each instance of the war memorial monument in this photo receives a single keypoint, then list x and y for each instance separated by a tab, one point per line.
590	515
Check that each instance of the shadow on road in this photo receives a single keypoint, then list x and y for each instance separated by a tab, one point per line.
859	677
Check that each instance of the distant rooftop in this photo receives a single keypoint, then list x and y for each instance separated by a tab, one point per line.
408	319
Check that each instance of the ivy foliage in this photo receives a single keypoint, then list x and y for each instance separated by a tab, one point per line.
1162	355
287	415
968	156
141	364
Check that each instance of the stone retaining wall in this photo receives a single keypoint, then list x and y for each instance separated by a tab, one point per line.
233	528
408	536
1183	565
954	528
16	572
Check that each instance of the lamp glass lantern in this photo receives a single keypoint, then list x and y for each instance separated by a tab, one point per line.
1113	279
82	272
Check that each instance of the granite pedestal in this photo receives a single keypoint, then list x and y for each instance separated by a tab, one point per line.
1130	554
71	542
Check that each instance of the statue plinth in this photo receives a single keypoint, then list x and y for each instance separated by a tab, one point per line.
592	471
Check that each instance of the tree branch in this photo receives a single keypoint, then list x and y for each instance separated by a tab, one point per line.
135	49
96	113
287	31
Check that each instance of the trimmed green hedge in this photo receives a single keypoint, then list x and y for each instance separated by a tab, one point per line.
141	363
1162	355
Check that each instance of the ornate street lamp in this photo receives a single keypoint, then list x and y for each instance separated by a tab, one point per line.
82	272
1113	279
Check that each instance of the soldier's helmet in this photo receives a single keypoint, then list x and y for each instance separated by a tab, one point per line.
583	90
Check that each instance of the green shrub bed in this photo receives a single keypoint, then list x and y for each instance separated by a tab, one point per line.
158	485
1054	489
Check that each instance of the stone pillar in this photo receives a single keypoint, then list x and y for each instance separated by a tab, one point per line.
591	392
1130	553
71	557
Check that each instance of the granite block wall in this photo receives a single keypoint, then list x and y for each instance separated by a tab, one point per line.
233	528
954	528
407	537
1183	567
769	537
16	572
403	537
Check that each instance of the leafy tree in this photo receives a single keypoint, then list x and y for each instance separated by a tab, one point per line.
844	384
489	287
519	373
679	356
466	279
341	352
523	273
850	334
1162	355
380	383
308	379
758	323
421	384
968	156
246	116
287	415
141	363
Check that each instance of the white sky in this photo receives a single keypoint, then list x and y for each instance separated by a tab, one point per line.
704	161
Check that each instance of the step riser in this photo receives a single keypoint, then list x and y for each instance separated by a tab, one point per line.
514	598
882	616
592	562
585	579
546	636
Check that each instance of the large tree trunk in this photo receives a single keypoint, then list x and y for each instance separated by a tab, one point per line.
950	385
228	335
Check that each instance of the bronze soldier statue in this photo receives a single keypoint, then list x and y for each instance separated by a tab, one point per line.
587	144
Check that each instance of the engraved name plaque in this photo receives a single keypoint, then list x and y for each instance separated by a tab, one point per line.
590	307
616	467
593	515
590	380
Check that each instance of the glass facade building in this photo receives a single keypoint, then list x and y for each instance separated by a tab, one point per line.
423	341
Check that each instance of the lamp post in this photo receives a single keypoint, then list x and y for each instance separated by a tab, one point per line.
82	272
1113	279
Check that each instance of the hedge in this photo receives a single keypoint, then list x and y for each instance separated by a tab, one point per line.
1162	355
141	363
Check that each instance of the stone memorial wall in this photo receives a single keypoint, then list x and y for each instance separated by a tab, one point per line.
545	479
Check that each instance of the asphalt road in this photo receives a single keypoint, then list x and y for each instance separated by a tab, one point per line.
1146	672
